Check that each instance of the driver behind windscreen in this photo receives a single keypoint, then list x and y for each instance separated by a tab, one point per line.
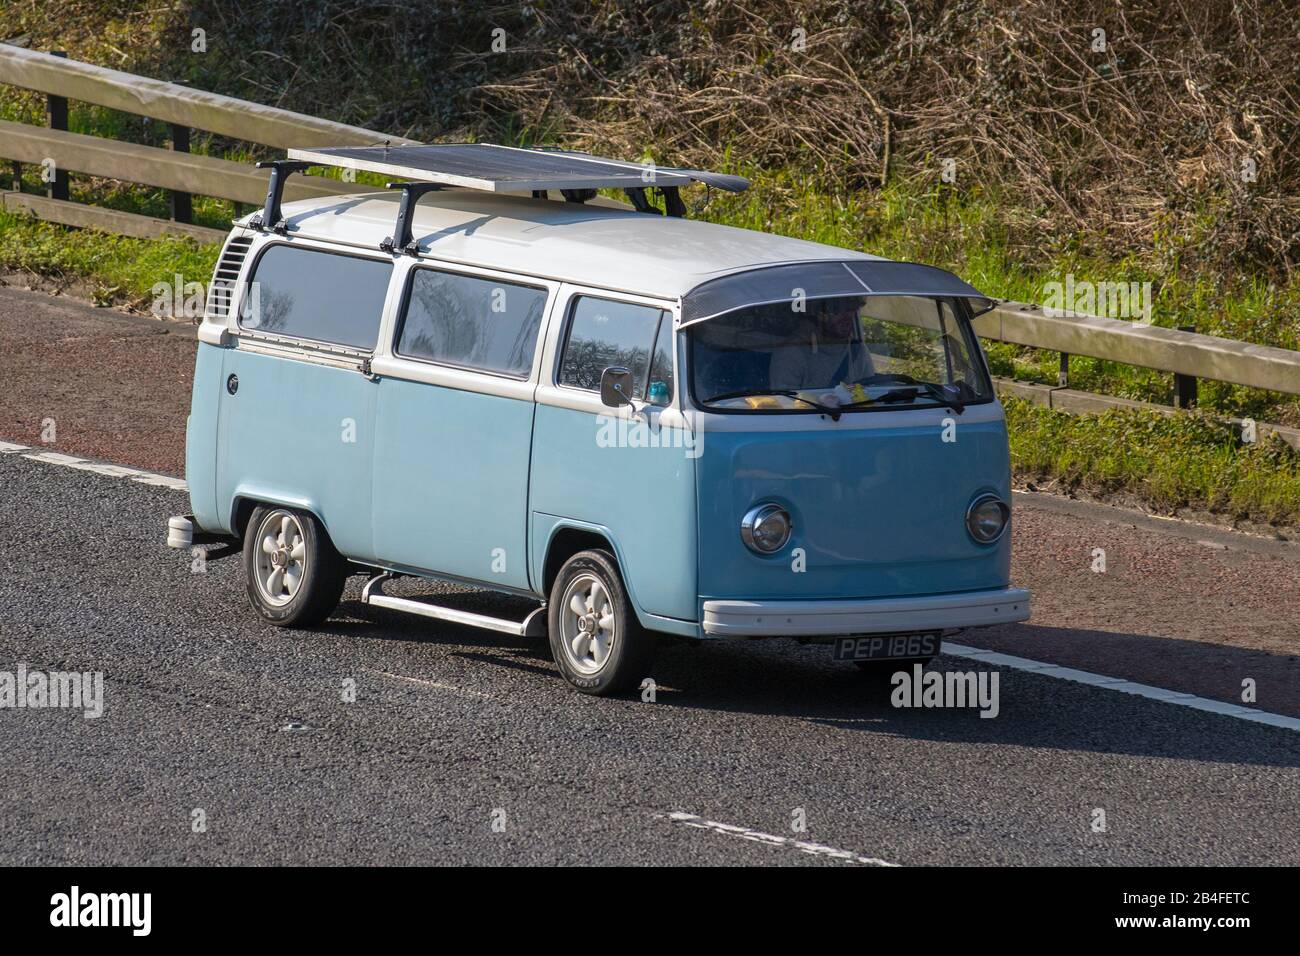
822	350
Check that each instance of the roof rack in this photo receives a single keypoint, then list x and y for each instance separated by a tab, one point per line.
493	168
402	241
269	217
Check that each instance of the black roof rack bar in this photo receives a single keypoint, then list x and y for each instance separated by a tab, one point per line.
673	205
281	169
673	201
401	241
578	195
637	196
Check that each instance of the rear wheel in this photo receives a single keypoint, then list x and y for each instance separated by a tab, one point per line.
596	640
295	577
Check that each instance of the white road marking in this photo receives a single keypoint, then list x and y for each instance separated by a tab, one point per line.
429	683
757	836
1123	686
98	467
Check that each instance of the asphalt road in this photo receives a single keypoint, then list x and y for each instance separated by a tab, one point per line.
1181	606
207	708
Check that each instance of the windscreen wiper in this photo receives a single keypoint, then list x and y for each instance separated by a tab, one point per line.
832	411
915	387
896	395
942	394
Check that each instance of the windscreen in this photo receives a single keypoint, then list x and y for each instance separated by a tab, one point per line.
853	353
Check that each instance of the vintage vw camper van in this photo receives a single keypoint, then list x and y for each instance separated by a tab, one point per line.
646	425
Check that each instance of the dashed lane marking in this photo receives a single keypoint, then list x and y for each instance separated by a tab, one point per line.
98	467
1206	704
438	685
757	836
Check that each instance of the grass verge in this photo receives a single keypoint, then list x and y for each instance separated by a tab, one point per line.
117	269
1169	463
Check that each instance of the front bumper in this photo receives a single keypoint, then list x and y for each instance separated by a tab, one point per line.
865	616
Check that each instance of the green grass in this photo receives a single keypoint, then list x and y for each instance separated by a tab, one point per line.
1168	462
119	269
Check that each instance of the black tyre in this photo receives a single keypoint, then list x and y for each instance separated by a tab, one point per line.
294	576
596	640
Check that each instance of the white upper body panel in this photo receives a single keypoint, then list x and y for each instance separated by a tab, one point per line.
571	242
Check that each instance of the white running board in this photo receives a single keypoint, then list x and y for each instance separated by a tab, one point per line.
534	625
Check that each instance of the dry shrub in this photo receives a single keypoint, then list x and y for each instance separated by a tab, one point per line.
1149	135
1153	132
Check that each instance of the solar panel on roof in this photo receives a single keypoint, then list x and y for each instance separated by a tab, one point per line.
508	168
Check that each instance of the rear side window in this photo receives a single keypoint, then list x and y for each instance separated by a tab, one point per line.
483	324
604	333
317	295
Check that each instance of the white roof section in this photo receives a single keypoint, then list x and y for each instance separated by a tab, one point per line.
574	242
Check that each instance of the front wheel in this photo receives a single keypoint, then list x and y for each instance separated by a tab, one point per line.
596	640
295	577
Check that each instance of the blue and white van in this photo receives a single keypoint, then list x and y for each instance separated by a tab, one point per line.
645	424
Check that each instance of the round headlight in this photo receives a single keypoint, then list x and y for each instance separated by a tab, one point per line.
986	518
766	528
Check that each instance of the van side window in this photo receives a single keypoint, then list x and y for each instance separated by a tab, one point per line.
604	333
323	296
469	321
659	387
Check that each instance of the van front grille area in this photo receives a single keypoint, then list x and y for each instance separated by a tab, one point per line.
222	288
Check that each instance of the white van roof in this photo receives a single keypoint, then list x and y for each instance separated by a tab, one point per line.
583	243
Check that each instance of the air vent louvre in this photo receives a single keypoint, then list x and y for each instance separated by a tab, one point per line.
221	289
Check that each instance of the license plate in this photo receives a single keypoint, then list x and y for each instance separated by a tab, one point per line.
878	647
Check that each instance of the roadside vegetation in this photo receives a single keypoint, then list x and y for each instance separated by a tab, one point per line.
113	269
1164	154
1170	464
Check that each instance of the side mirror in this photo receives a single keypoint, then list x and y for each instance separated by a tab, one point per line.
616	386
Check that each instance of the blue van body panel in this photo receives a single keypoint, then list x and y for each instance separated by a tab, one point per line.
542	532
878	512
299	433
643	498
451	481
201	438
